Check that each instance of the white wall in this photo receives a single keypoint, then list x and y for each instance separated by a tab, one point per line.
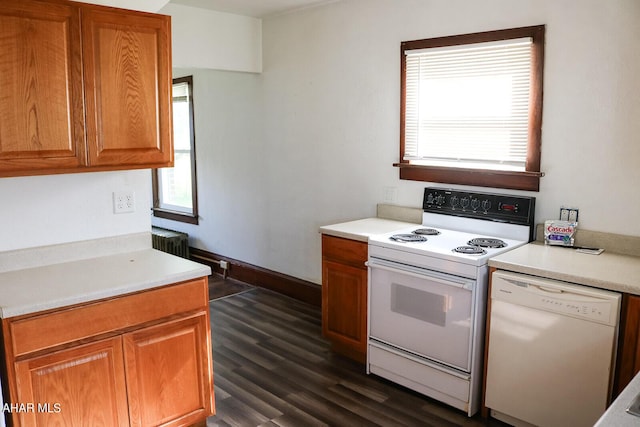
215	40
331	82
47	210
230	166
312	140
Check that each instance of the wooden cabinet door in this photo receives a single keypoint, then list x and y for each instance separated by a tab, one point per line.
628	363
344	308
41	98
127	70
169	372
84	385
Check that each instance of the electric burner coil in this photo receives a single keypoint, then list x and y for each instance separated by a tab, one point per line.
426	231
487	242
407	238
469	250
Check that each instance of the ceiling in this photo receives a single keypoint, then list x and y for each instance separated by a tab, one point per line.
255	8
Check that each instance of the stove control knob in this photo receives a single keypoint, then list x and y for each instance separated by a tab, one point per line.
486	205
440	200
430	199
475	204
453	201
464	202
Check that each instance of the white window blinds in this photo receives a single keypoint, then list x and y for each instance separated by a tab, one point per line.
468	105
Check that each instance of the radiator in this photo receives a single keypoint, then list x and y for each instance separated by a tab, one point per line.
172	242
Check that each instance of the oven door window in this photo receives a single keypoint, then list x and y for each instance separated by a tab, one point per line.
424	315
419	304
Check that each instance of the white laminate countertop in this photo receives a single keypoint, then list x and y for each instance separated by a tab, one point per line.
616	414
606	271
361	229
39	288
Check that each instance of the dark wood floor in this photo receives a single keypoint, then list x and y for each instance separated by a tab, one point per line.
273	368
221	288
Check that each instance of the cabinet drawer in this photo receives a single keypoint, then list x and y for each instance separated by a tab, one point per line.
37	332
345	250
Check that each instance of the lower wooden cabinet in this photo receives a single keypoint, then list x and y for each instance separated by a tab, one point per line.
628	363
83	385
137	360
167	375
344	296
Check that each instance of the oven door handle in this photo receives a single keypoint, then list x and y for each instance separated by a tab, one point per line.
462	284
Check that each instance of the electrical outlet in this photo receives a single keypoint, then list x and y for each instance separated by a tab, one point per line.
124	201
569	214
573	215
564	214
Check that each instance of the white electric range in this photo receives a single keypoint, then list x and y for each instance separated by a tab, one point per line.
428	291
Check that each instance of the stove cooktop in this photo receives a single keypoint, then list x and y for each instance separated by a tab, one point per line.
444	244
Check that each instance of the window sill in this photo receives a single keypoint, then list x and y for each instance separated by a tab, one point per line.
528	181
175	216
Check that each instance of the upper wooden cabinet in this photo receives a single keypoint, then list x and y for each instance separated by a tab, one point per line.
84	88
127	71
41	105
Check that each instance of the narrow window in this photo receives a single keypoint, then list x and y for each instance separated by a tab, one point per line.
471	109
174	189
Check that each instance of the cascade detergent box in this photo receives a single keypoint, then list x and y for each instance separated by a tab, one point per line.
559	233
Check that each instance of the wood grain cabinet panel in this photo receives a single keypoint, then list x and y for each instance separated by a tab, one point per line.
84	88
80	386
152	367
344	302
628	363
344	296
41	105
127	68
167	375
38	332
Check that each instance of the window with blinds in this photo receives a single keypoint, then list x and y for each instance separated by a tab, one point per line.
473	103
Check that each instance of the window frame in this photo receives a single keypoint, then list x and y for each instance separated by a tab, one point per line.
159	212
529	179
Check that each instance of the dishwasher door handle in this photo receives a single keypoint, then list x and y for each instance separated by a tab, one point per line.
548	289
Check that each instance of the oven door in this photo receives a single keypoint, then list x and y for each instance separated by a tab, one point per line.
421	311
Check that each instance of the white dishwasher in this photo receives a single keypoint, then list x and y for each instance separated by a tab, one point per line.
551	351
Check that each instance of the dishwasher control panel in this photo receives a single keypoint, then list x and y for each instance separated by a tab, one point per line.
558	297
594	310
